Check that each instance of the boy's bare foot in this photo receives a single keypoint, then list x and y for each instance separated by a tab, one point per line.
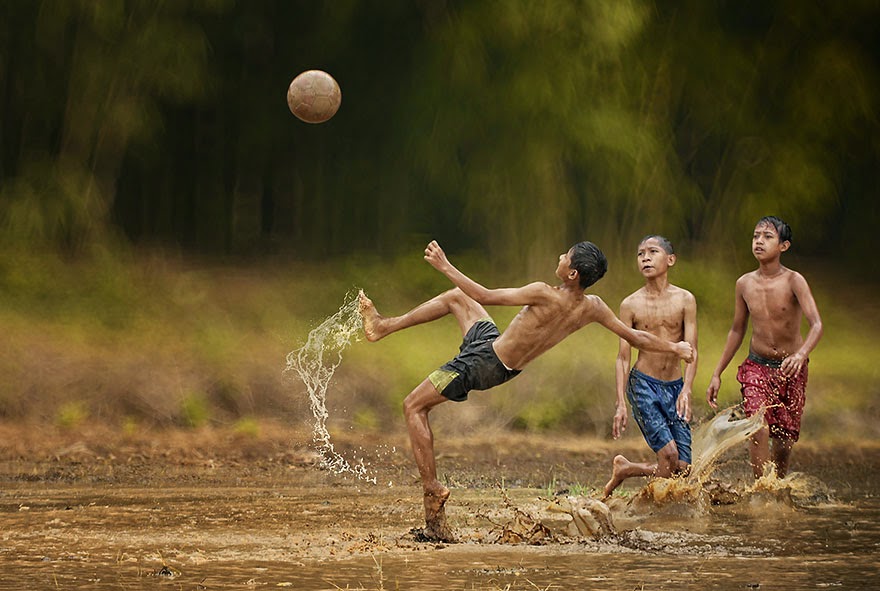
617	467
436	529
435	501
371	317
434	533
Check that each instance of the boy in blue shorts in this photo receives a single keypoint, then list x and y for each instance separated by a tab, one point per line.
488	357
658	393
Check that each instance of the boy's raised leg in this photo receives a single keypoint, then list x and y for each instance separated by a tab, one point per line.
454	302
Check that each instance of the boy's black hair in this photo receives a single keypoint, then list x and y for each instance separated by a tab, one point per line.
589	262
665	244
783	229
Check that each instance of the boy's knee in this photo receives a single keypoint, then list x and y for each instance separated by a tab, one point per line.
455	295
412	404
408	405
668	455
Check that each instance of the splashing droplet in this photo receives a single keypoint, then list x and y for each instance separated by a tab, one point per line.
315	363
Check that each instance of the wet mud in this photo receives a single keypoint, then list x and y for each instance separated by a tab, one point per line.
219	510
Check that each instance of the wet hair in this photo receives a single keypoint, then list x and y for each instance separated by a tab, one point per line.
589	262
783	229
665	244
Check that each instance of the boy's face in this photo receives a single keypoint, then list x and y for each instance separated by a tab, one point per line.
563	269
652	258
765	243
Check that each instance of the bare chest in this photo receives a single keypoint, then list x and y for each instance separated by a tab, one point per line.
770	301
660	317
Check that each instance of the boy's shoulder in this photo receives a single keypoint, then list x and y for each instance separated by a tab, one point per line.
591	299
637	293
680	291
747	278
634	299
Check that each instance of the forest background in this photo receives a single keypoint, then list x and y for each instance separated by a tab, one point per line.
170	231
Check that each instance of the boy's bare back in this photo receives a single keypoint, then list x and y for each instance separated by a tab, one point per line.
540	326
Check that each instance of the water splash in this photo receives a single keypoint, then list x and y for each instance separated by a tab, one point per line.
710	440
315	363
794	490
713	438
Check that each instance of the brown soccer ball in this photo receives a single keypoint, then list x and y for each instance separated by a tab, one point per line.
314	96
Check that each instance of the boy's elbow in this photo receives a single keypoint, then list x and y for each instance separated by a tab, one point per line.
488	298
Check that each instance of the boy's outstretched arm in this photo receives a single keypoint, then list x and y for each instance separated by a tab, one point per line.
731	346
622	366
532	293
640	339
794	362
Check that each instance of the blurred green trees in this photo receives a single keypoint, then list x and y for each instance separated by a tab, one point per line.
513	127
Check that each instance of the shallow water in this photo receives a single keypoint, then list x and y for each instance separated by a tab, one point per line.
325	533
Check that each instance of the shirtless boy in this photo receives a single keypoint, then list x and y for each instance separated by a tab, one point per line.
660	397
488	358
774	375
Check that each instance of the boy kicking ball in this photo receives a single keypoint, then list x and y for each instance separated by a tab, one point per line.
487	357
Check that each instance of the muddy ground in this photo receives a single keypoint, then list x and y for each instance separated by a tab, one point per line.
276	454
113	508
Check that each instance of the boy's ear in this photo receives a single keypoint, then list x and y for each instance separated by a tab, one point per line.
785	245
671	258
573	274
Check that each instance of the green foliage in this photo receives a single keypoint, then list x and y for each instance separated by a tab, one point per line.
150	341
71	414
607	119
195	410
367	418
248	427
129	425
506	130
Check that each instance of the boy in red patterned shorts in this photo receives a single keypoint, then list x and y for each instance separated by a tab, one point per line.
774	375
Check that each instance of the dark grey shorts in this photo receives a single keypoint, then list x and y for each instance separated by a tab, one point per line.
476	367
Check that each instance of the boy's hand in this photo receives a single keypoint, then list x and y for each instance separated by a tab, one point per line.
683	405
685	351
619	422
712	392
435	256
793	364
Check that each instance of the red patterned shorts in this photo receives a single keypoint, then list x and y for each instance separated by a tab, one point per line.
781	396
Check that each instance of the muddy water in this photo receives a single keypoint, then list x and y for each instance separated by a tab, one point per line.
313	530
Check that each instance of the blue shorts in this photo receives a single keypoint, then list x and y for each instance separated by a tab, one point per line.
653	406
476	367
